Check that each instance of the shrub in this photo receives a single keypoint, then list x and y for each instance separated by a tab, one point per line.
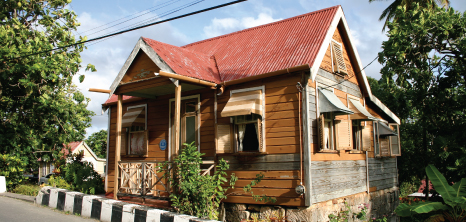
59	182
27	189
81	176
193	193
12	167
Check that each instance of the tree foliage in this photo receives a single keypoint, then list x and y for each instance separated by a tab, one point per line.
424	59
390	12
98	143
39	108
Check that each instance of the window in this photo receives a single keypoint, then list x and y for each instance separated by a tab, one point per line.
135	135
327	134
246	133
357	135
189	110
386	139
339	65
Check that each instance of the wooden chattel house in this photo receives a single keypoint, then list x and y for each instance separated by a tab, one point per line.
288	99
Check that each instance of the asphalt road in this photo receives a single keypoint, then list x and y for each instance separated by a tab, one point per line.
13	210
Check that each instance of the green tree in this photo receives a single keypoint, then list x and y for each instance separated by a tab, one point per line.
39	108
98	143
425	57
390	12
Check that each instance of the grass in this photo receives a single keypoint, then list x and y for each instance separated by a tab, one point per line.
27	189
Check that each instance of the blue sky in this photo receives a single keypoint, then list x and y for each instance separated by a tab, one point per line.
109	56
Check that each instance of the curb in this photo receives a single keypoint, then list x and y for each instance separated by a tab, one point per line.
18	196
104	209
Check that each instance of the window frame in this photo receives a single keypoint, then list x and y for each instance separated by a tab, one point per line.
398	137
128	133
262	119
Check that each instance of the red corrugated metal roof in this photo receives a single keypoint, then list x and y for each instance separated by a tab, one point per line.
262	49
114	98
267	48
186	62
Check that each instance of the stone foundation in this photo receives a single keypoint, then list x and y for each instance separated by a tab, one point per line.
380	203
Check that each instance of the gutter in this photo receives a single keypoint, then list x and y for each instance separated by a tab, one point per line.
186	79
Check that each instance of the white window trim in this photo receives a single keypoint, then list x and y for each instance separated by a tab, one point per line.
198	127
263	110
145	128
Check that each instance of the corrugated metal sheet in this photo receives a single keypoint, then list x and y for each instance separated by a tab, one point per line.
186	62
114	98
275	46
267	48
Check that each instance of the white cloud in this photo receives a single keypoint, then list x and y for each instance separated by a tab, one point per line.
227	25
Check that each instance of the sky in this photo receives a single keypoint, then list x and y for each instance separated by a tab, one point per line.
103	17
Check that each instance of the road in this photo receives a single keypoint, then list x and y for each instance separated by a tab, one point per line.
13	210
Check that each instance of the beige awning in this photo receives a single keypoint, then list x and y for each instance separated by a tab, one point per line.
244	103
134	117
328	102
360	112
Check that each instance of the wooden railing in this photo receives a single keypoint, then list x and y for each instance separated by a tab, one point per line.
142	179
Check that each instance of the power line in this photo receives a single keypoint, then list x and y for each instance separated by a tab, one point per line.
168	3
151	19
132	29
127	19
353	75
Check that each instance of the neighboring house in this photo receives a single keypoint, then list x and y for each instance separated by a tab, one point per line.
287	99
75	148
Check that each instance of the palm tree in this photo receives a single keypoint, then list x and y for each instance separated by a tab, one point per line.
389	12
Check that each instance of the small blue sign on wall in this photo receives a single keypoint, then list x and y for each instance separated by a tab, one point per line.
163	144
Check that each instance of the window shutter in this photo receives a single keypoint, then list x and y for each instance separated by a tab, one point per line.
124	142
338	59
343	128
375	131
395	141
366	138
321	125
146	142
384	147
224	139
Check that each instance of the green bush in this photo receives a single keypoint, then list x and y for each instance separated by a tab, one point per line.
58	182
27	189
193	193
81	176
12	167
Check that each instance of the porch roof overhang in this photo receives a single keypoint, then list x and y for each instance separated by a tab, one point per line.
384	130
360	113
328	102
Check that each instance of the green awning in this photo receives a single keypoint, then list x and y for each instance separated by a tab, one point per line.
360	113
328	102
384	130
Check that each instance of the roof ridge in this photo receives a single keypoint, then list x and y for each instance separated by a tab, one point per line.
189	50
261	26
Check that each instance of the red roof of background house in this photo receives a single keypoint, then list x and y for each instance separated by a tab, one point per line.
250	52
72	146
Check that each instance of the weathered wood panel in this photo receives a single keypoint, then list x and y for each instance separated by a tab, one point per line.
334	179
265	162
382	173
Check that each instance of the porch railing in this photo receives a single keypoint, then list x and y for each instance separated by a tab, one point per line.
142	179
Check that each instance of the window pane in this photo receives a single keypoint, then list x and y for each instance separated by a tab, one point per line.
190	129
327	135
250	142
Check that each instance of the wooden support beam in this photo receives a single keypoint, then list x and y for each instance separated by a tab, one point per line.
176	128
118	144
99	90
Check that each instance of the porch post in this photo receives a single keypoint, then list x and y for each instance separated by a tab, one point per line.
176	131
117	144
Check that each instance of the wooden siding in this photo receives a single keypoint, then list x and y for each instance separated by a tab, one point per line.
334	179
382	173
327	61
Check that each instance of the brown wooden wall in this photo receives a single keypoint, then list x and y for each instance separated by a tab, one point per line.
281	164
